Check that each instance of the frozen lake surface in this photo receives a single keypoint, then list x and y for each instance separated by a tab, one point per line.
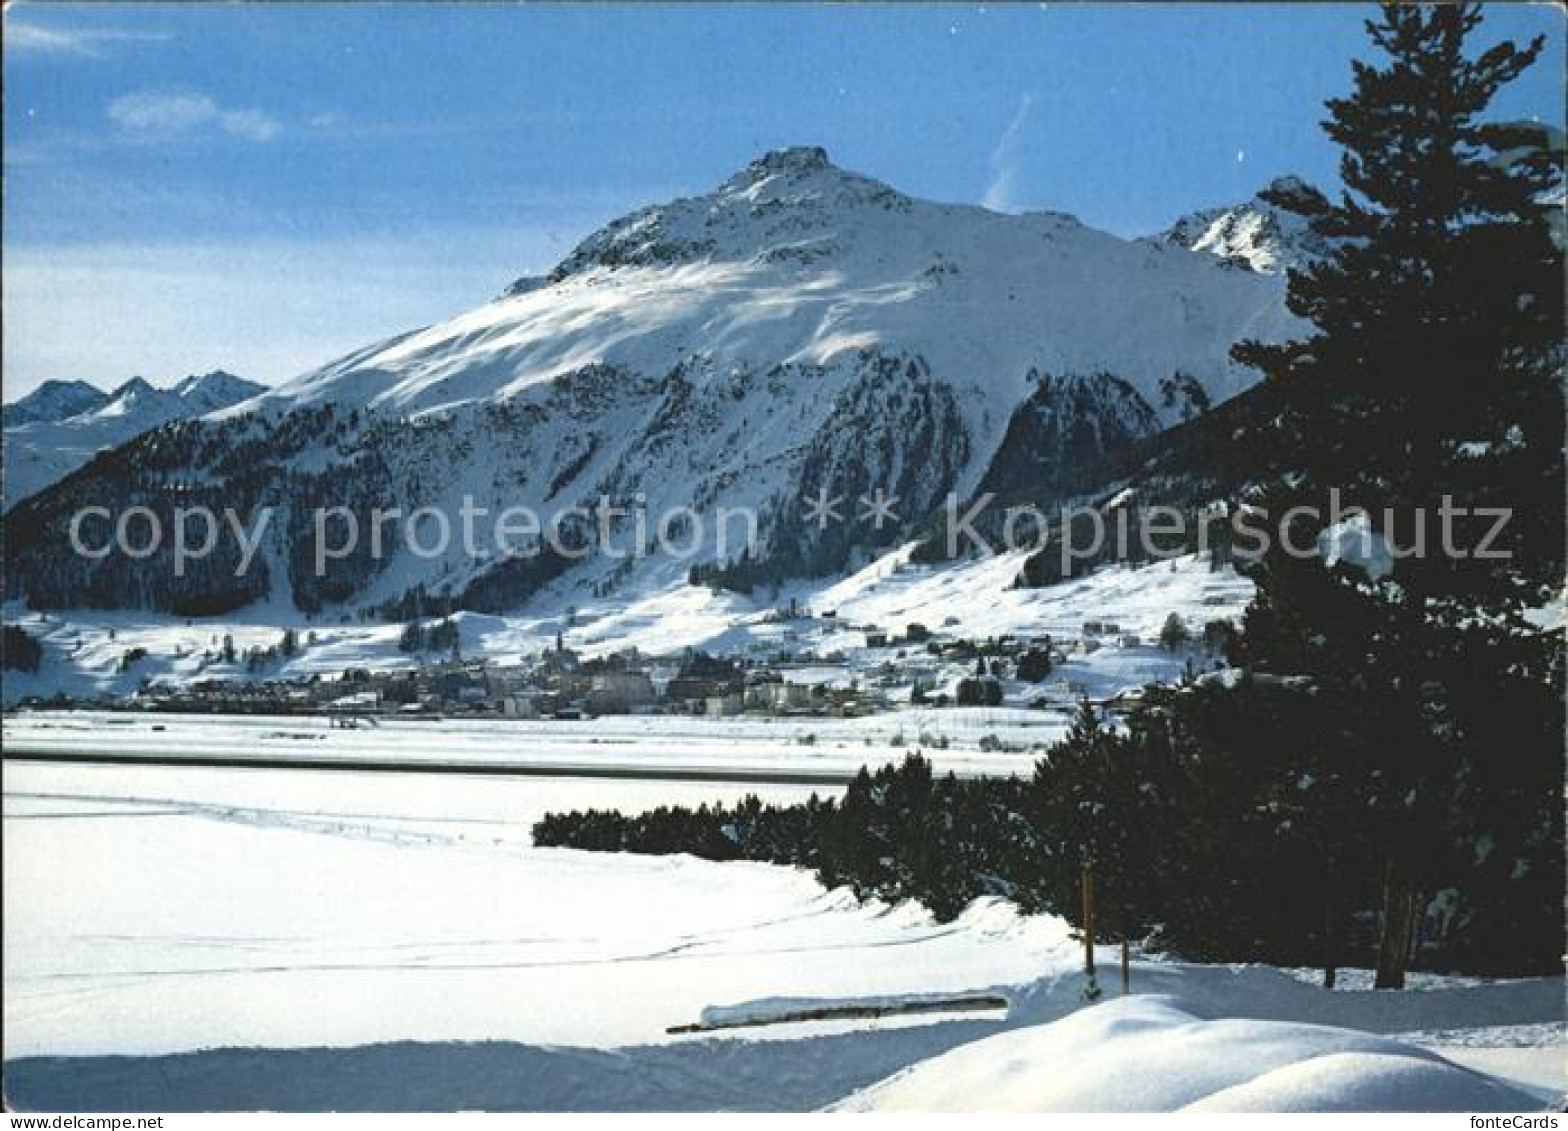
190	938
741	749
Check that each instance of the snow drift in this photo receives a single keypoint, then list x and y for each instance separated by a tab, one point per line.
1159	1054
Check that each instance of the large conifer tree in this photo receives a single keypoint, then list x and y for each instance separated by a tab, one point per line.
1431	379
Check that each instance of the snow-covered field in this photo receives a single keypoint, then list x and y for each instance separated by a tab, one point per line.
183	938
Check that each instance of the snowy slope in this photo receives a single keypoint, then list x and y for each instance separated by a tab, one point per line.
798	328
61	427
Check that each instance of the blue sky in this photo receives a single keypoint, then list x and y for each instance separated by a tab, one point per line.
262	187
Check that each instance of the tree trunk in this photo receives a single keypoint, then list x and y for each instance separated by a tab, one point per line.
1126	967
1088	923
1330	959
1399	920
1091	989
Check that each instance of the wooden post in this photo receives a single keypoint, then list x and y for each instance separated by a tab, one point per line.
1126	967
1091	990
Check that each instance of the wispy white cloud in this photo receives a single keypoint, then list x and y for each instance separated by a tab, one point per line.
254	125
1006	161
162	112
30	37
151	112
89	42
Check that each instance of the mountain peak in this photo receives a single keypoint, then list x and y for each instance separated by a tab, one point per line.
136	386
793	158
55	400
780	200
216	389
791	170
1253	235
198	380
55	388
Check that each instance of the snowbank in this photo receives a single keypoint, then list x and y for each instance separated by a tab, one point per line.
1155	1053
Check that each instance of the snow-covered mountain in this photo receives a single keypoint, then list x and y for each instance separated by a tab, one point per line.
794	261
207	392
61	425
1254	235
54	400
798	329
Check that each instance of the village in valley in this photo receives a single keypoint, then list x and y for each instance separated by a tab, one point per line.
911	665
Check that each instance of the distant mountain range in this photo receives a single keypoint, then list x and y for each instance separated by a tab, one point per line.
799	329
61	424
